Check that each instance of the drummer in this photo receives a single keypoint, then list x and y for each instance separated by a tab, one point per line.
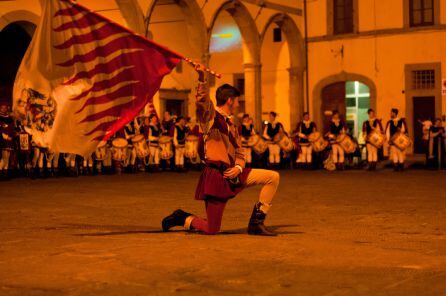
179	140
70	162
130	131
38	149
373	124
272	129
246	130
153	136
167	124
87	165
193	129
6	139
395	125
305	128
337	128
23	147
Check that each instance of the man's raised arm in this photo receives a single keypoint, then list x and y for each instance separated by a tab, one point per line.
205	107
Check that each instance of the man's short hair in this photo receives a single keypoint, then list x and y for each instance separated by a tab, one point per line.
395	110
151	116
306	113
226	92
273	114
370	111
335	112
246	115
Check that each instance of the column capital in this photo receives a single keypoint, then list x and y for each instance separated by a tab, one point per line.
205	58
295	71
251	66
206	55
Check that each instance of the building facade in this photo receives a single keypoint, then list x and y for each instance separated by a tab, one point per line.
378	54
227	35
361	53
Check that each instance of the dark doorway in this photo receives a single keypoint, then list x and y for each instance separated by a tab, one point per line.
423	109
174	107
333	98
14	41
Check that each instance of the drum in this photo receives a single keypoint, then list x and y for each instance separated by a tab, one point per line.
25	145
141	147
284	142
346	143
245	142
49	155
401	141
317	142
191	150
329	165
257	144
119	149
101	151
376	138
166	147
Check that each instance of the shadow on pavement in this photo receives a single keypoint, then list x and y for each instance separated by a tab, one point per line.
275	228
143	230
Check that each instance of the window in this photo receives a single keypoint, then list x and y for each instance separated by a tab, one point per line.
343	16
277	35
423	79
421	13
357	101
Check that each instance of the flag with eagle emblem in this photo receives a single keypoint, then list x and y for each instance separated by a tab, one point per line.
84	77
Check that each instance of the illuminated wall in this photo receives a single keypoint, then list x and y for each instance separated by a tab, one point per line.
380	57
229	51
168	27
275	82
226	49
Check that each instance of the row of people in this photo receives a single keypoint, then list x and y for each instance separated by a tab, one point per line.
147	142
393	140
144	142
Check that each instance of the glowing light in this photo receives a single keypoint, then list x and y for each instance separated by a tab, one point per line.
226	37
223	35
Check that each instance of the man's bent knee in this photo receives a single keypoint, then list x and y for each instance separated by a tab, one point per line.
275	177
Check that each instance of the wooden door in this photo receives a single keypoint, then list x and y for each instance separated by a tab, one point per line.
333	98
423	109
175	107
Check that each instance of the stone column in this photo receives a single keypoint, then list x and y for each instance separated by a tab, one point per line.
253	92
296	95
133	15
205	58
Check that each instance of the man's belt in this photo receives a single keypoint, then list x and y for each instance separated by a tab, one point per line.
221	167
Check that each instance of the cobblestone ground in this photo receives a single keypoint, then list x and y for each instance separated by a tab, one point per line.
343	233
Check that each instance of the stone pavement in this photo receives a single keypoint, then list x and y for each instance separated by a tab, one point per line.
345	233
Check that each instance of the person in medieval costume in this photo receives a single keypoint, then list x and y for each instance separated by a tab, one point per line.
224	174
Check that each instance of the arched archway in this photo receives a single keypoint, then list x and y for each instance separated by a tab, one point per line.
179	25
14	41
294	44
133	15
194	18
251	54
27	18
335	87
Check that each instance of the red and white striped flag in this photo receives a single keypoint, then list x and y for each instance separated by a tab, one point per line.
84	77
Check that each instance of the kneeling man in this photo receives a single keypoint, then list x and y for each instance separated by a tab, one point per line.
224	175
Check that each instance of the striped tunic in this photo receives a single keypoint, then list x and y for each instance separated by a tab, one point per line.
223	150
